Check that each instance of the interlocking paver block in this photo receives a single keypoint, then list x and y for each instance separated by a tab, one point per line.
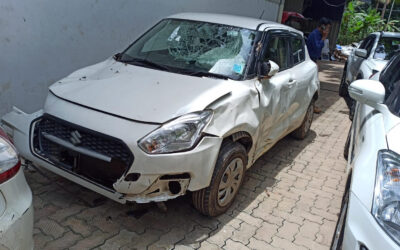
67	240
309	230
97	238
220	236
259	245
244	233
285	244
230	244
266	232
78	226
123	238
288	230
51	227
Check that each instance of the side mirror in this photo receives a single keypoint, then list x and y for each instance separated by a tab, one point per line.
361	53
117	56
368	92
267	69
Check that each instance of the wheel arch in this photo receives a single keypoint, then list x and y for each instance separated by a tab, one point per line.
241	137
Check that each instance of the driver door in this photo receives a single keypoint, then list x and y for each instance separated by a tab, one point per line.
276	93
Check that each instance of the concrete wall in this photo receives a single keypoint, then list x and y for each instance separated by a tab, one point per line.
42	41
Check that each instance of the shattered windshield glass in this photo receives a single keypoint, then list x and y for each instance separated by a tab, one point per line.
194	48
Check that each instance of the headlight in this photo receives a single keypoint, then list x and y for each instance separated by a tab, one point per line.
386	204
178	135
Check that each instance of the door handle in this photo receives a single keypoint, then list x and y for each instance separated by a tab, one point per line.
291	83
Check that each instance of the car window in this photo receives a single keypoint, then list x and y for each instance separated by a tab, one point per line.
370	45
367	44
277	51
192	47
386	48
364	44
390	75
297	49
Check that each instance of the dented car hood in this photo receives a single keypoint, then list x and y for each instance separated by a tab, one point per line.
139	93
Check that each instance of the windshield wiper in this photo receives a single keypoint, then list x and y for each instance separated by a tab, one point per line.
209	74
146	62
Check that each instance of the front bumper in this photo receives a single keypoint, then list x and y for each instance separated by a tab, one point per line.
362	229
161	177
16	223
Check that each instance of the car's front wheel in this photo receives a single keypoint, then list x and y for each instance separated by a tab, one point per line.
227	178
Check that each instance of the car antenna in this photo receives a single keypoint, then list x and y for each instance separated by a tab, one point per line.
262	14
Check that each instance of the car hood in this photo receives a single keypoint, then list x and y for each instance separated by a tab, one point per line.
139	93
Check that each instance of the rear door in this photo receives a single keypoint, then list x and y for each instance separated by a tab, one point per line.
302	74
276	93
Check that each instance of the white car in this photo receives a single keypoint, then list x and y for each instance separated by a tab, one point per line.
188	106
370	215
369	58
372	55
16	210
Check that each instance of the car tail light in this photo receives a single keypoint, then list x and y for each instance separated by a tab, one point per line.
9	161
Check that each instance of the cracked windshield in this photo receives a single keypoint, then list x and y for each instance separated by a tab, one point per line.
194	48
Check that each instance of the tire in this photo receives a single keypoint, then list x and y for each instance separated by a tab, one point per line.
301	132
211	201
347	147
338	235
343	88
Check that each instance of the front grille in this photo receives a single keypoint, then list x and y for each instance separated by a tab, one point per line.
95	156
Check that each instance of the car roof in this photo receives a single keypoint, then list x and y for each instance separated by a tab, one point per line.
233	20
387	34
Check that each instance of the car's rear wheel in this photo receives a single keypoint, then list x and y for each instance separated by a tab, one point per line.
337	240
347	146
301	132
343	88
227	178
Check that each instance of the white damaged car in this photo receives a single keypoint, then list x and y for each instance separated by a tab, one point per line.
189	106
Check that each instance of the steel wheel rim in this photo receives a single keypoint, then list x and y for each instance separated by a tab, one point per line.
230	182
309	117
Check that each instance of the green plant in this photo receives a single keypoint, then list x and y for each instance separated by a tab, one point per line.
359	21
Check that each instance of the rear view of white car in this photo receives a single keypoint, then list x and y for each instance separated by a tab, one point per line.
16	211
370	215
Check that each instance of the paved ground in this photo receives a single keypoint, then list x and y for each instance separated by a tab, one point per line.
290	200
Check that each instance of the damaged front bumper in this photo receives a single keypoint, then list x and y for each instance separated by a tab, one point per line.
106	169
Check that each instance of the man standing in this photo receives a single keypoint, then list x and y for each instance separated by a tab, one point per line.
316	41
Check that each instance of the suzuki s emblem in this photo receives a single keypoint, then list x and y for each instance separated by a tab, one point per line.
75	137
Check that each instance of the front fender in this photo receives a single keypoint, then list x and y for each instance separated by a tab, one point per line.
240	111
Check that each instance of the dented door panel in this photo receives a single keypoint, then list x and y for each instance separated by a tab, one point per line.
274	105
